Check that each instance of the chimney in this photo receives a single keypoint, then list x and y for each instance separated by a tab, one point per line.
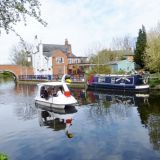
69	49
66	41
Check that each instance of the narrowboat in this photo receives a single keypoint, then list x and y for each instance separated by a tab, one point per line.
134	82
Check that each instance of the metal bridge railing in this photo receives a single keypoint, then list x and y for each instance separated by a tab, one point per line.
74	78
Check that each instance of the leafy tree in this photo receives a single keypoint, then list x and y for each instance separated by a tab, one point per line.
99	69
140	47
15	11
152	55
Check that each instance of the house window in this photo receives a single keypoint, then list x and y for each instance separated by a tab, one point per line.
112	80
76	61
60	60
70	61
101	79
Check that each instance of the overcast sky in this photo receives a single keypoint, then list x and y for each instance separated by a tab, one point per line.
85	23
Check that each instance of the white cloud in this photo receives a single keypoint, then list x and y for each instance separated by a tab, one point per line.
85	22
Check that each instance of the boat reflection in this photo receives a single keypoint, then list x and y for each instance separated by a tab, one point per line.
117	98
57	119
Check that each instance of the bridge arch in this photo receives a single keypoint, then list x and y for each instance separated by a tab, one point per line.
12	73
17	70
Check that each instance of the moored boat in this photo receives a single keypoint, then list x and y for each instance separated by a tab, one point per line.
134	82
55	94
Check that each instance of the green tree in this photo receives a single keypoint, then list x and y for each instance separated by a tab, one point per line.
99	69
140	49
15	11
152	55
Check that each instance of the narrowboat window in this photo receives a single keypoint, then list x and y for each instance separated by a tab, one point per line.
101	79
113	80
108	80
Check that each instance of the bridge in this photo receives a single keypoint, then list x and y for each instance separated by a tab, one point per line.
16	70
26	73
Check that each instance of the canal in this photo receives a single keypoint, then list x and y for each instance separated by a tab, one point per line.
104	126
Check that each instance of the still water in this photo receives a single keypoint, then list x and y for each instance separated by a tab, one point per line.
104	126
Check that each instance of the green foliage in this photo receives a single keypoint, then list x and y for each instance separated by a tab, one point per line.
106	104
6	74
152	55
140	47
3	156
99	69
120	72
15	11
154	82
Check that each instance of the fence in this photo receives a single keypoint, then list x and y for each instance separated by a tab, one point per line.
74	78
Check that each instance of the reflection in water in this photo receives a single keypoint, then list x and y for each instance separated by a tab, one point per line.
111	107
115	106
117	98
26	111
110	125
25	89
150	118
57	119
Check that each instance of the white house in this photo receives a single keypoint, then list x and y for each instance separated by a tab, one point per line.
42	64
55	59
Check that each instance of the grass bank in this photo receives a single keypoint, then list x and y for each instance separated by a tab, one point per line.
154	81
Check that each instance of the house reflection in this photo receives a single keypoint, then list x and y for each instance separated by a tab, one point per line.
25	89
57	119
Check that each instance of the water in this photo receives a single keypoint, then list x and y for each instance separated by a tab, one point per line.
106	126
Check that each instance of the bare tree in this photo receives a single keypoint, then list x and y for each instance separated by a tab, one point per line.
21	53
125	43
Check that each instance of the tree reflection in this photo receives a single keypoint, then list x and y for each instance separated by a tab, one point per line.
111	106
150	118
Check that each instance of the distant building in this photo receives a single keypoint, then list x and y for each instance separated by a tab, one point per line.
125	65
53	59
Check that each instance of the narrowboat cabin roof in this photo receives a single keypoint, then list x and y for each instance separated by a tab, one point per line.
115	75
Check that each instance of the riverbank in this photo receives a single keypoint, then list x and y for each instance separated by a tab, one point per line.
154	85
81	85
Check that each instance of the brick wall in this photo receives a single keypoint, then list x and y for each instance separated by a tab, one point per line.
17	70
59	68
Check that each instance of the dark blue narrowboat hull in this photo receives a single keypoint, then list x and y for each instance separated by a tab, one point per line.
111	87
127	83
